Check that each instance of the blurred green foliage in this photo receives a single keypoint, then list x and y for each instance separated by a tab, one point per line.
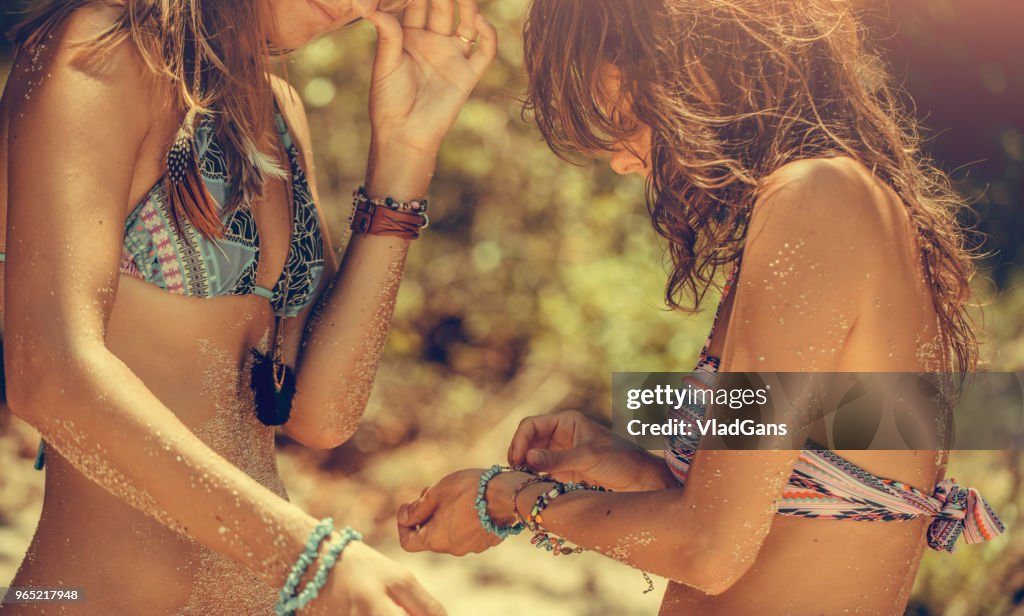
529	260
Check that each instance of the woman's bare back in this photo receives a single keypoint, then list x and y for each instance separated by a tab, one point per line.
810	566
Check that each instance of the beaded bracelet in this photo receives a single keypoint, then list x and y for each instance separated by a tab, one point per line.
488	525
519	490
312	589
288	604
553	544
542	539
535	517
323	529
419	206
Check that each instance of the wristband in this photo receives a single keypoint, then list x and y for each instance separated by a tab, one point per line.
418	206
375	220
322	530
488	525
520	519
288	602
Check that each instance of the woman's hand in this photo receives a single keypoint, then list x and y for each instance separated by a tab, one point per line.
572	447
444	518
424	73
365	582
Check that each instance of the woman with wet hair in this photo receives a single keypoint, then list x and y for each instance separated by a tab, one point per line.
171	294
781	168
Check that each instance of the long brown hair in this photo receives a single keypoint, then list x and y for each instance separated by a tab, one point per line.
733	90
216	56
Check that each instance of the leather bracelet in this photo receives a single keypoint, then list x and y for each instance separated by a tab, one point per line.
373	220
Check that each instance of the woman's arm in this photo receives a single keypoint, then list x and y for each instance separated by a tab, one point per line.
422	78
709	533
705	536
75	136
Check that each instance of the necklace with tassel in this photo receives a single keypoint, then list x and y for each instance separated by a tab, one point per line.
271	380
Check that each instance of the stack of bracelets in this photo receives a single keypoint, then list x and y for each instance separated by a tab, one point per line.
534	520
289	602
404	219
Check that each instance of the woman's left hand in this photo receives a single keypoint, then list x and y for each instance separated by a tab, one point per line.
424	72
444	518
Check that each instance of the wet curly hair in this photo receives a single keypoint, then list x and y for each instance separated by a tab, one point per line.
733	90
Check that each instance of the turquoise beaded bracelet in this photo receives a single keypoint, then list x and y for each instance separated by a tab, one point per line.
289	603
486	522
323	529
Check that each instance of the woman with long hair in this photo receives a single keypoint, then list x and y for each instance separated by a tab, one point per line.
780	167
171	295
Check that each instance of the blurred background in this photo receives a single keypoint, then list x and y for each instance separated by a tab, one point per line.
539	279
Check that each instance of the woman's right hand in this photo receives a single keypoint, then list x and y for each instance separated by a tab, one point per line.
366	582
572	447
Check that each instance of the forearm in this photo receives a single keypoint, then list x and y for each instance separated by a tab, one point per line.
657	531
110	427
345	338
658	476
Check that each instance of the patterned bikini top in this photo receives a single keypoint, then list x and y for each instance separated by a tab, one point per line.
190	264
826	486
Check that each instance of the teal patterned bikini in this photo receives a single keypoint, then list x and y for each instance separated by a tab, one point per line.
189	264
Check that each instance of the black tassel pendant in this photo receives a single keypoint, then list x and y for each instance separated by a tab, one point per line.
271	380
273	384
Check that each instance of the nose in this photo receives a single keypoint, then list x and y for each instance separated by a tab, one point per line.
625	162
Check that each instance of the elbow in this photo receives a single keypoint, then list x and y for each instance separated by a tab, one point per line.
318	439
712	567
30	389
328	427
39	384
717	574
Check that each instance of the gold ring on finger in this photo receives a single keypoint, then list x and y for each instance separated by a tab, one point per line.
465	40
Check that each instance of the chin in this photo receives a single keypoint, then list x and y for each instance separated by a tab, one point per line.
298	36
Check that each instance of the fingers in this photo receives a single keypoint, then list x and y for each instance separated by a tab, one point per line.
415	15
419	511
467	29
486	49
414	599
550	461
415	539
433	538
389	43
441	17
530	433
468	10
386	608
